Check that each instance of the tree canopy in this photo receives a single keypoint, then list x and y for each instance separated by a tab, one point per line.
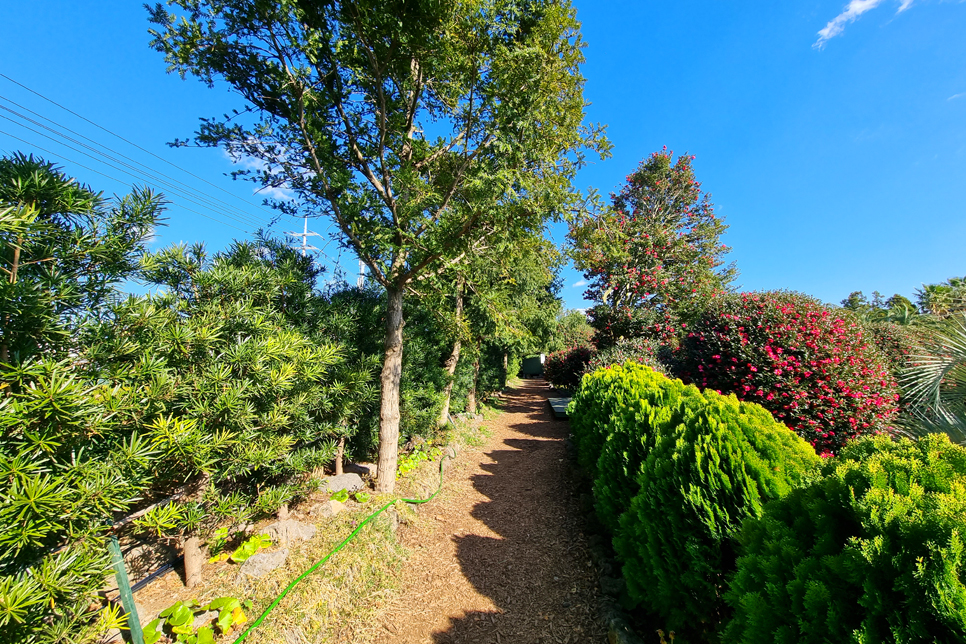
421	128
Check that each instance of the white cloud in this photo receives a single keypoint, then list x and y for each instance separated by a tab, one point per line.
851	13
955	96
580	283
281	193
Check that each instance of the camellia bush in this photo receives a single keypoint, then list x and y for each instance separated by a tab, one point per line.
814	368
563	369
639	350
871	552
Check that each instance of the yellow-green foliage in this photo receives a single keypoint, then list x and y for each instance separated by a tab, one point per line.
871	552
675	472
621	411
601	396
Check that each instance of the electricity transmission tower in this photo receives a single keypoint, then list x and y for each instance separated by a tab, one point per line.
305	234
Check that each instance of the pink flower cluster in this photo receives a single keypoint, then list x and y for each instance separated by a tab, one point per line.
814	370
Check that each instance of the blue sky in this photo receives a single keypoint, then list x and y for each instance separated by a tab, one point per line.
831	134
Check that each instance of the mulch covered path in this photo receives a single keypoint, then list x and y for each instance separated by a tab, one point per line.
501	557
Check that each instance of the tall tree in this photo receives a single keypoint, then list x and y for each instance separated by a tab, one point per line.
422	128
657	248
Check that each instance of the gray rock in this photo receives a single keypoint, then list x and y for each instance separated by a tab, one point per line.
289	531
349	482
611	585
203	618
260	564
452	451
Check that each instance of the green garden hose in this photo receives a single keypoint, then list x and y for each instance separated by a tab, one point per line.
339	547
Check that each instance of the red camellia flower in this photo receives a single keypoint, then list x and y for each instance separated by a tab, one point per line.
818	373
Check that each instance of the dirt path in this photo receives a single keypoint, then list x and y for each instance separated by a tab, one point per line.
503	559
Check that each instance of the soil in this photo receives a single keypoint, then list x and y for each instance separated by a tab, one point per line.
503	557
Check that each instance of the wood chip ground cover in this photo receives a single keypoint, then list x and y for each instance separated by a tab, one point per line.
503	558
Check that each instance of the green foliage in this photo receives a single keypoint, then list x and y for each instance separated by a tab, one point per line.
249	547
813	367
177	621
675	473
63	249
719	466
935	383
943	299
404	121
564	369
71	452
573	330
871	552
236	393
341	496
421	454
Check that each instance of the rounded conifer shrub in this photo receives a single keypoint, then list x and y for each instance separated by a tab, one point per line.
814	368
715	463
873	551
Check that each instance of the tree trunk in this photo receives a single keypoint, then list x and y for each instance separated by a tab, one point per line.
193	561
389	393
471	396
339	453
506	368
454	357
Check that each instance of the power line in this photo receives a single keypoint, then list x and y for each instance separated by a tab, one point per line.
81	165
172	183
134	173
160	158
108	148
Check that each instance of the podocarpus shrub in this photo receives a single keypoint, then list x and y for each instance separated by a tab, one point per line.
563	369
814	368
871	552
717	463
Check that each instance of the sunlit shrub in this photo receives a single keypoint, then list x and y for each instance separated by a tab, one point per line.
871	552
814	368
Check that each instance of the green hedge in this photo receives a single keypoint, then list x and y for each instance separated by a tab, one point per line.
675	472
871	552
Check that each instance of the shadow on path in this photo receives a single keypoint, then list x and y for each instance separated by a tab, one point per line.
537	572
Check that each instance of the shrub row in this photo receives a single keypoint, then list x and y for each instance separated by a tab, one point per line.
675	472
727	524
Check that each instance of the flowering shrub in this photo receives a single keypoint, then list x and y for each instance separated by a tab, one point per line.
612	325
563	369
640	350
815	369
